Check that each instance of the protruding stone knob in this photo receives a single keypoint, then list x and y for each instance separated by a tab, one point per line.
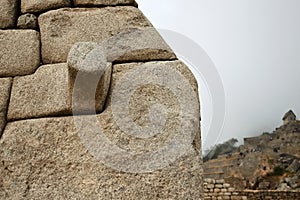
89	75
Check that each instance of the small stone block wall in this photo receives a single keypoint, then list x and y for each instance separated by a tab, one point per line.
219	190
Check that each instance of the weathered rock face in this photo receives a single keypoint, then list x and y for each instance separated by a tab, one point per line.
52	159
94	105
47	92
41	5
62	28
44	93
20	52
143	44
27	21
5	85
103	2
8	13
50	162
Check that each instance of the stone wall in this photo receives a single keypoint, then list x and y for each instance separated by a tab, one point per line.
48	153
270	194
218	189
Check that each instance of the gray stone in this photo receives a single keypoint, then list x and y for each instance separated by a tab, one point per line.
136	105
264	185
293	181
104	2
42	5
45	159
5	85
27	21
283	187
48	92
295	166
143	44
19	52
55	158
8	13
62	28
138	44
78	53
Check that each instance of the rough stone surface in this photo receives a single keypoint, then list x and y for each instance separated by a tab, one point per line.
47	92
295	166
87	63
62	28
103	2
42	5
27	21
46	158
19	52
8	13
48	161
141	99
142	44
43	93
5	85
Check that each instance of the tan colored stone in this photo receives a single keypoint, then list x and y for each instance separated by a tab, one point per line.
236	197
48	92
8	13
27	21
45	159
19	52
220	181
226	185
5	85
103	2
216	190
62	28
54	158
42	5
223	190
141	44
141	100
86	66
44	93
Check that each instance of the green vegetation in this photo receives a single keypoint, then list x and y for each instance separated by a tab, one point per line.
219	149
277	171
266	133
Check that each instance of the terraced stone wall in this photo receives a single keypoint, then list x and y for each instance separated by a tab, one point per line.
218	189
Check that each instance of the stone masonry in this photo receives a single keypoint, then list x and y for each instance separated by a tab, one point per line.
140	142
217	189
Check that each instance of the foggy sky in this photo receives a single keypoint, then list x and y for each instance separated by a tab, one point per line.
255	46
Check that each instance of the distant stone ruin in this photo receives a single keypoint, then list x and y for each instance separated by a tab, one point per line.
289	117
94	105
219	189
264	165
